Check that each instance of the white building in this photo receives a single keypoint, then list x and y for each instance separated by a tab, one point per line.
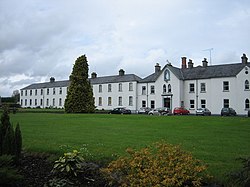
212	87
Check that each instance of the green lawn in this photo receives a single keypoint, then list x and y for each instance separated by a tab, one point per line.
215	140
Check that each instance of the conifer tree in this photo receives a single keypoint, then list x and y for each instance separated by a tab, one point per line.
80	94
18	141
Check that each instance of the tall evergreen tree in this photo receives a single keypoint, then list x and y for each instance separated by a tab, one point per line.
4	125
18	141
80	94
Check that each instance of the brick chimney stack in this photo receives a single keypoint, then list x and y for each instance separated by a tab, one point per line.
190	64
157	68
184	62
244	59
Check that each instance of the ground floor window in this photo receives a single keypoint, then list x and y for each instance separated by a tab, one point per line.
35	102
143	103
226	103
247	104
152	104
60	101
109	101
54	101
25	101
130	100
41	102
100	101
120	101
192	104
203	103
47	102
21	102
30	102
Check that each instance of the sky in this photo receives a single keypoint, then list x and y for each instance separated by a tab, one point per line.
40	39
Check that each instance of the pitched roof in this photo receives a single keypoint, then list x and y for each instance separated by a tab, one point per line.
48	85
115	79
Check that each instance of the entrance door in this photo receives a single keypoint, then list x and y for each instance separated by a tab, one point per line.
167	102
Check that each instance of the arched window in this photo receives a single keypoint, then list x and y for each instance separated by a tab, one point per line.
246	85
169	88
164	88
167	75
247	104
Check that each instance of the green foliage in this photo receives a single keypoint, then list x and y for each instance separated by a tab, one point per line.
159	165
8	146
8	174
79	97
18	141
58	182
69	164
242	176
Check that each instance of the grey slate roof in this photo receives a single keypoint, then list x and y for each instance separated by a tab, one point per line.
115	78
48	85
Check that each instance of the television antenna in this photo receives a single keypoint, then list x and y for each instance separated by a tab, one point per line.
210	54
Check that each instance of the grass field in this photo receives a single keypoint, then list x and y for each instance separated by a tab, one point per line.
216	140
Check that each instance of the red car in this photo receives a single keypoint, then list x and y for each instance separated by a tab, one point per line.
180	111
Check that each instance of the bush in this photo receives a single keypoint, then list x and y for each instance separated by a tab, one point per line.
159	165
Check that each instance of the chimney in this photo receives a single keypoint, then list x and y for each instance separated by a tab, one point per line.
184	62
190	64
204	62
93	75
244	59
52	79
121	72
157	68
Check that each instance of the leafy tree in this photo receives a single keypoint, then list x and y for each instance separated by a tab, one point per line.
80	94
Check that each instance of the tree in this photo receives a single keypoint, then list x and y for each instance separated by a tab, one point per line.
16	95
80	94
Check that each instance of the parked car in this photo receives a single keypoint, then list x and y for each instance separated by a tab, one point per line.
203	112
228	112
120	110
180	111
160	111
144	110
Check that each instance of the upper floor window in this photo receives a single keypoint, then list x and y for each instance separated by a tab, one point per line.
164	88
41	91
54	92
191	87
30	92
21	92
203	87
120	87
247	104
130	86
166	75
225	86
35	92
169	88
100	88
143	90
26	92
47	91
60	91
152	89
109	88
247	85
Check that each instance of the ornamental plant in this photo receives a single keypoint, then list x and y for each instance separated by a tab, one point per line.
161	164
69	164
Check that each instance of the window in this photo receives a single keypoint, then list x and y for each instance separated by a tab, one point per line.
120	101
226	103
30	102
152	104
246	85
191	87
164	88
54	91
30	92
21	102
25	102
41	91
47	91
41	102
109	101
47	102
225	86
167	75
35	102
169	88
100	101
152	89
100	88
203	103
203	87
60	90
21	92
130	86
192	104
247	104
60	101
143	90
109	88
26	92
143	103
53	102
120	87
130	101
35	92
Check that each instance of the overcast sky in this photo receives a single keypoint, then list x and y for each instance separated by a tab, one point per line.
42	38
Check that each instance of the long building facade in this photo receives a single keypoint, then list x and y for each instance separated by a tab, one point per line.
204	86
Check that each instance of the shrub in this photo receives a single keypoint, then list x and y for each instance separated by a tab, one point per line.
159	165
242	176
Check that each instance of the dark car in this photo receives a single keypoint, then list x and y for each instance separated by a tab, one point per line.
180	111
120	110
203	112
160	111
144	110
228	112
